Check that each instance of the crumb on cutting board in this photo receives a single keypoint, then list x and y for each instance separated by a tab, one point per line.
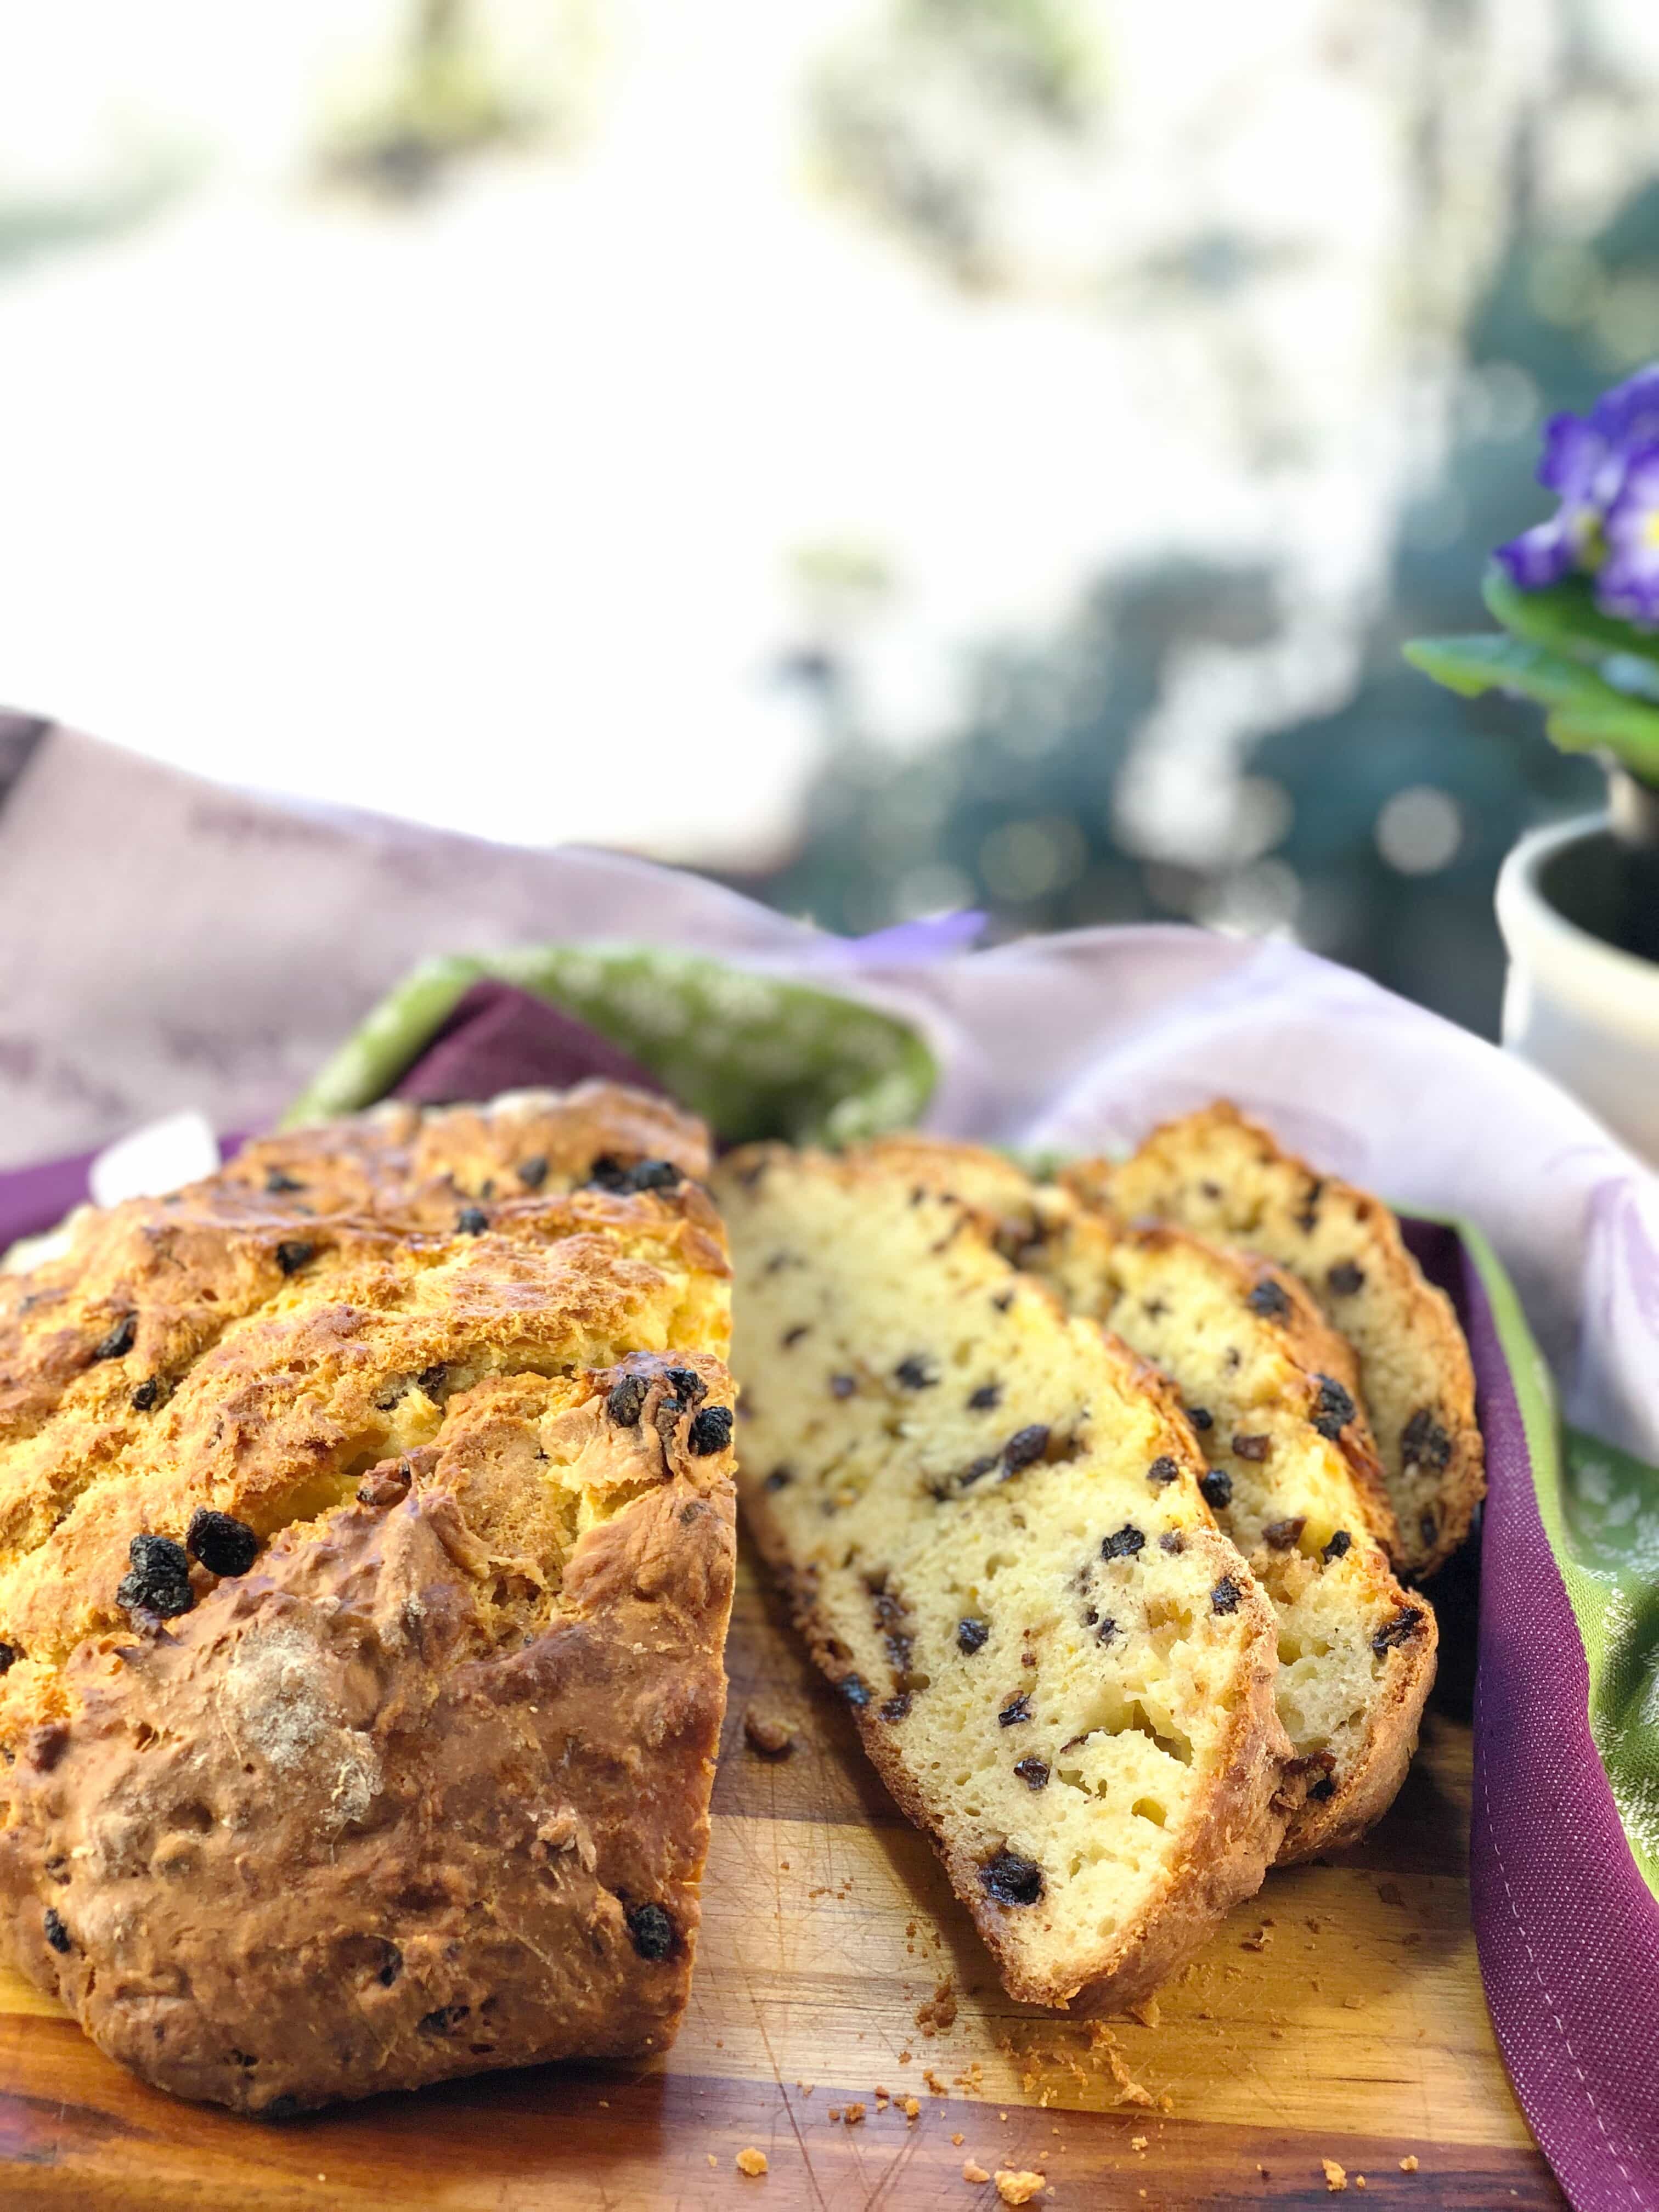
973	2171
1409	2164
1335	2177
767	1734
752	2161
937	2014
1017	2187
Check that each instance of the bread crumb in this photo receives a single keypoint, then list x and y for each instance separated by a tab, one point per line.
1354	2004
714	2161
1137	2142
912	2109
1335	2179
752	2161
972	2173
937	2014
1409	2164
905	2056
1145	2012
834	2112
853	2115
768	1736
957	2139
1018	2188
1359	2181
1259	1941
932	2081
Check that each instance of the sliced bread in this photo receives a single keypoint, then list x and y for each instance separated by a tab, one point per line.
1293	1479
1228	1178
988	1516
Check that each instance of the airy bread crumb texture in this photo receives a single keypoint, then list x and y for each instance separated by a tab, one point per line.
1226	1176
988	1517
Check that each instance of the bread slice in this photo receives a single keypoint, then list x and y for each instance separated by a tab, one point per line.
1228	1178
363	1592
987	1518
1294	1481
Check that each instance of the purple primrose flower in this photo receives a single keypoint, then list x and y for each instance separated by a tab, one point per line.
1627	582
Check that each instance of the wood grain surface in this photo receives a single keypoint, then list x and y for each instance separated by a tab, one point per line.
1338	2015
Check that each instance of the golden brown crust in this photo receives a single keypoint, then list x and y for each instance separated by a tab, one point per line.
1223	1175
388	1804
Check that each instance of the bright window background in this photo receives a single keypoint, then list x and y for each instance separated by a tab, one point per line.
894	452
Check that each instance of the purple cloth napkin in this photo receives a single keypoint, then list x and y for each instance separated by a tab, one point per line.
500	1038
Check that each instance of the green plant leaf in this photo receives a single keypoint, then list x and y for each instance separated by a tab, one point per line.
1564	618
1584	712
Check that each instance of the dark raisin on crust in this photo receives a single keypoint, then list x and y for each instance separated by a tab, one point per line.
1172	1540
625	1402
988	1395
855	1690
1163	1470
687	1385
1033	1772
284	2107
1224	1598
118	1341
654	1175
159	1579
1217	1488
971	1635
147	1397
896	1708
472	1221
1338	1547
532	1172
607	1173
1307	1221
1123	1543
56	1934
1282	1535
1428	1528
915	1374
1268	1300
443	2019
1201	1417
791	1337
1400	1629
1025	1446
710	1430
1106	1630
780	1479
1003	1300
224	1544
1012	1880
1254	1448
652	1930
1344	1279
9	1655
276	1182
391	1966
842	1385
975	1468
1425	1443
1335	1408
1016	1709
1324	1788
294	1253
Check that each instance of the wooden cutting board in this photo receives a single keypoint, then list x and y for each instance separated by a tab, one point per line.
1338	2016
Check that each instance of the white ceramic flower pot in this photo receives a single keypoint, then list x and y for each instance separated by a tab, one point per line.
1576	1006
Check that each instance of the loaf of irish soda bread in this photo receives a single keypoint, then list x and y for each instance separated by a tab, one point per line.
988	1519
1272	1392
363	1590
1227	1177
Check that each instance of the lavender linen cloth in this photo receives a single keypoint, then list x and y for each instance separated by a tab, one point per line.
264	940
